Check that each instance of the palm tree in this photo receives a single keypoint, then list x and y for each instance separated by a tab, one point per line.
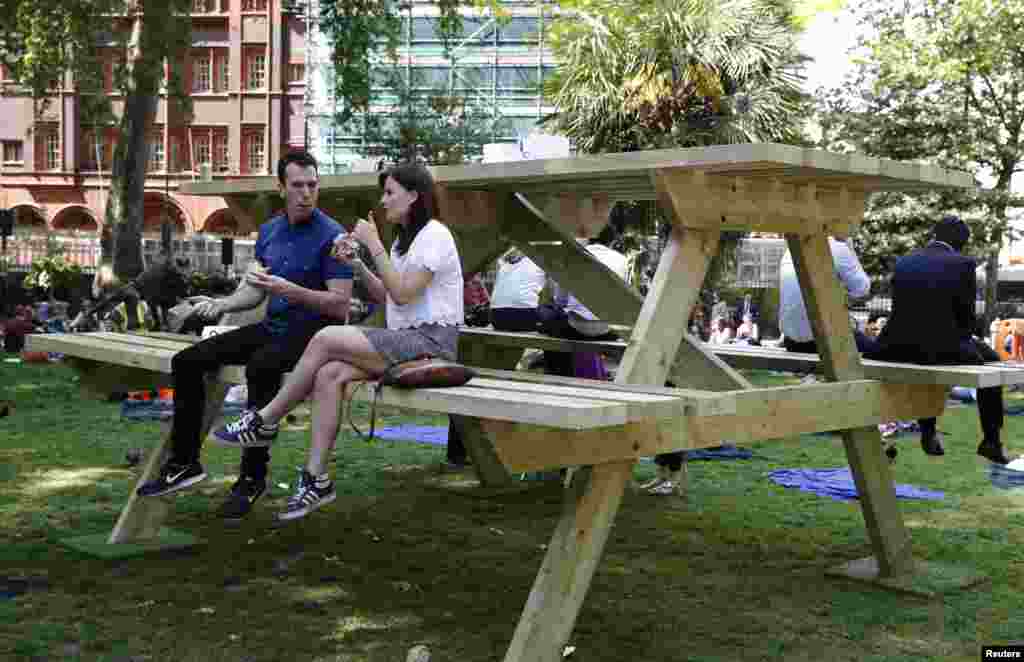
676	73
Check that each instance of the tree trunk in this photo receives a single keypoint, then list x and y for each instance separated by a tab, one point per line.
124	211
991	285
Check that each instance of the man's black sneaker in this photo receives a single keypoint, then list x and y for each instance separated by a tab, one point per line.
172	477
244	494
248	431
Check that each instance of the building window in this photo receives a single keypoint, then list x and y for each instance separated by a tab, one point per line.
13	153
222	80
254	5
201	74
256	65
297	73
156	151
201	148
255	151
203	6
220	150
92	148
50	152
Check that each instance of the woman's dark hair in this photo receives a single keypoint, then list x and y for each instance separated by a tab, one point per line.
413	177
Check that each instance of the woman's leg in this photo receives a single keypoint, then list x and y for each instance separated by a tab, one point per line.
327	396
334	343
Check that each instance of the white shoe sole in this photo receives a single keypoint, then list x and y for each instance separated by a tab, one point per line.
237	444
179	487
296	514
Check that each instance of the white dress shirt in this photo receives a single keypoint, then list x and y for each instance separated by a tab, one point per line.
793	319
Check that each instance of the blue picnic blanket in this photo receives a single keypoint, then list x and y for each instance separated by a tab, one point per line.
1004	477
838	484
424	434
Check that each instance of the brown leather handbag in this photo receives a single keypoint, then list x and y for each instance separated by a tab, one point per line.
421	372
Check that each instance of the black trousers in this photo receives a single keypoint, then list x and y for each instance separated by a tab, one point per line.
266	358
865	344
990	399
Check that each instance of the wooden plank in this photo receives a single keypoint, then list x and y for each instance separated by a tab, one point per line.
830	321
142	517
590	506
978	376
762	205
571	413
607	172
760	414
576	269
101	350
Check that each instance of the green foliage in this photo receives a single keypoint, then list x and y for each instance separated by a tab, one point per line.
660	74
364	33
436	125
53	273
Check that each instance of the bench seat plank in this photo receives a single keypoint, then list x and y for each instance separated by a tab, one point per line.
978	376
763	358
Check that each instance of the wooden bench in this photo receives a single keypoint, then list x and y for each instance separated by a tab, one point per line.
765	358
977	376
534	422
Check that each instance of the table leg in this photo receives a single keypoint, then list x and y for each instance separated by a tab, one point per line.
596	491
591	503
140	527
892	563
489	469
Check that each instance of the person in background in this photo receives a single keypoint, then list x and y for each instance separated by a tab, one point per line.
793	320
516	295
308	290
477	301
571	319
933	322
720	331
747	332
420	283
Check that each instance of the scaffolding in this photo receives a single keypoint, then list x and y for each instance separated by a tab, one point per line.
498	64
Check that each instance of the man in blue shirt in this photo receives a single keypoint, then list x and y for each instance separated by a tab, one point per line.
307	289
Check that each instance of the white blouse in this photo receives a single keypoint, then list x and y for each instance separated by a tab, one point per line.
432	250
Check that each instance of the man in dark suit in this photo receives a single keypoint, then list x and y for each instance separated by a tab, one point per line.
932	322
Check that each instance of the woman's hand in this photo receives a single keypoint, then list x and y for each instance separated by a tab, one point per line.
366	233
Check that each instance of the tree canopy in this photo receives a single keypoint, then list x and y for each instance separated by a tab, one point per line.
936	81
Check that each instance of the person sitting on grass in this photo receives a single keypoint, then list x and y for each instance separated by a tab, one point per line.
420	282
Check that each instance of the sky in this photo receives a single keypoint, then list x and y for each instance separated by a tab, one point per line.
828	38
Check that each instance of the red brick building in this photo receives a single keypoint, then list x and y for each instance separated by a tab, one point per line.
246	75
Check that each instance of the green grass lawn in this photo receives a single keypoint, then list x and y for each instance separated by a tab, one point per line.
736	571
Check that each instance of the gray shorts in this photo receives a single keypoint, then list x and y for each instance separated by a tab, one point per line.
399	345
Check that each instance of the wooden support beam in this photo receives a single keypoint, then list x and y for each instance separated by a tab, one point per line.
563	259
142	517
825	299
756	415
578	541
759	203
590	506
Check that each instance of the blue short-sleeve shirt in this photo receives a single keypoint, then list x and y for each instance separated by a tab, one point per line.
301	254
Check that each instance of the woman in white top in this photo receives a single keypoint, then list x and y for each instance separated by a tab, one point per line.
420	283
516	293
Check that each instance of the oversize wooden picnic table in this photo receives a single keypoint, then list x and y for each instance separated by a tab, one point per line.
541	206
